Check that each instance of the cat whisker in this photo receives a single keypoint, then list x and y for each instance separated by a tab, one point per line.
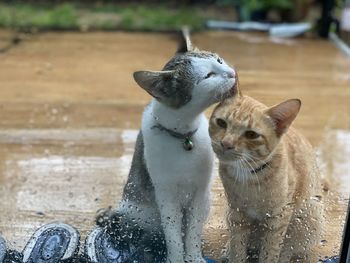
256	160
248	169
233	154
252	157
239	170
243	170
236	178
244	157
252	160
252	169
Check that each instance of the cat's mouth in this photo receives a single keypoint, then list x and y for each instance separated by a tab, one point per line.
225	156
231	92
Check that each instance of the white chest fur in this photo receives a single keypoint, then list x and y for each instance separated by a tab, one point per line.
181	179
170	166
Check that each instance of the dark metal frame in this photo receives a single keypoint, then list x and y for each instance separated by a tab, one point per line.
345	249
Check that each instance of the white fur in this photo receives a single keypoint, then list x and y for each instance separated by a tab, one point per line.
182	178
181	181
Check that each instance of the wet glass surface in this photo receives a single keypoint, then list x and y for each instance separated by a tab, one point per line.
70	113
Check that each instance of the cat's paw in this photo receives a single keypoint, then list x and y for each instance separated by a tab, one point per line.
224	259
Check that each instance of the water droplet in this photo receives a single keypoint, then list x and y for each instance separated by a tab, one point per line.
323	242
316	198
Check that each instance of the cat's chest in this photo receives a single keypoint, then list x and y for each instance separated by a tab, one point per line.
168	161
256	201
253	206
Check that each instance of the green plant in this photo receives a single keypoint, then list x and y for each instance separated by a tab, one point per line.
28	16
64	16
109	16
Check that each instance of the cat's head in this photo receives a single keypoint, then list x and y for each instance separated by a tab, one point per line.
192	78
242	127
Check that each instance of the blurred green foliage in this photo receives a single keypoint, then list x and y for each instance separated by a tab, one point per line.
108	16
163	19
26	16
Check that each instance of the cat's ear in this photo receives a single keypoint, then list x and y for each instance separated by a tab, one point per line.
284	114
185	44
153	81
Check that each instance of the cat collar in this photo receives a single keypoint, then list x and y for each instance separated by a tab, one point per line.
187	142
260	168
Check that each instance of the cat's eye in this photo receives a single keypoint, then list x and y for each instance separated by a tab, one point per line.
221	123
210	74
251	135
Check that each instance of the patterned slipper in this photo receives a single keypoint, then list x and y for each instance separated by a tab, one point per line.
100	247
52	243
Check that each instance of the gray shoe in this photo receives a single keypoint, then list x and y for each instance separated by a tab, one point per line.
100	248
52	243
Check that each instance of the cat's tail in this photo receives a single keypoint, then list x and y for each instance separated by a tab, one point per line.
185	41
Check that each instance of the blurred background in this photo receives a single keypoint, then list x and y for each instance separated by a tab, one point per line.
150	15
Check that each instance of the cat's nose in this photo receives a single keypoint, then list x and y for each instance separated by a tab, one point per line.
231	74
226	145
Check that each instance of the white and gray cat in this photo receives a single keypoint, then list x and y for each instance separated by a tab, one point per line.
167	192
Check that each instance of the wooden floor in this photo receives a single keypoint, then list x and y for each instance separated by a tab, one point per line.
70	111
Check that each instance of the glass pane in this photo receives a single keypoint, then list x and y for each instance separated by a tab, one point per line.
70	115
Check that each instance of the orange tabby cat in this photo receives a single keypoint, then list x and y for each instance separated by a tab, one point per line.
270	178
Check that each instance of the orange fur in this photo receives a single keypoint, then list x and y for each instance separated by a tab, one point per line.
277	208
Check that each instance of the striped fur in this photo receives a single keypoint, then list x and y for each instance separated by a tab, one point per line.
278	207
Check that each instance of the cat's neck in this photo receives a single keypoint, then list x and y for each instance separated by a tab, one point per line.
251	170
180	119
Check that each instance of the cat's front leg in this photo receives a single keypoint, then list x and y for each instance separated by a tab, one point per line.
240	230
195	219
238	245
171	219
272	242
